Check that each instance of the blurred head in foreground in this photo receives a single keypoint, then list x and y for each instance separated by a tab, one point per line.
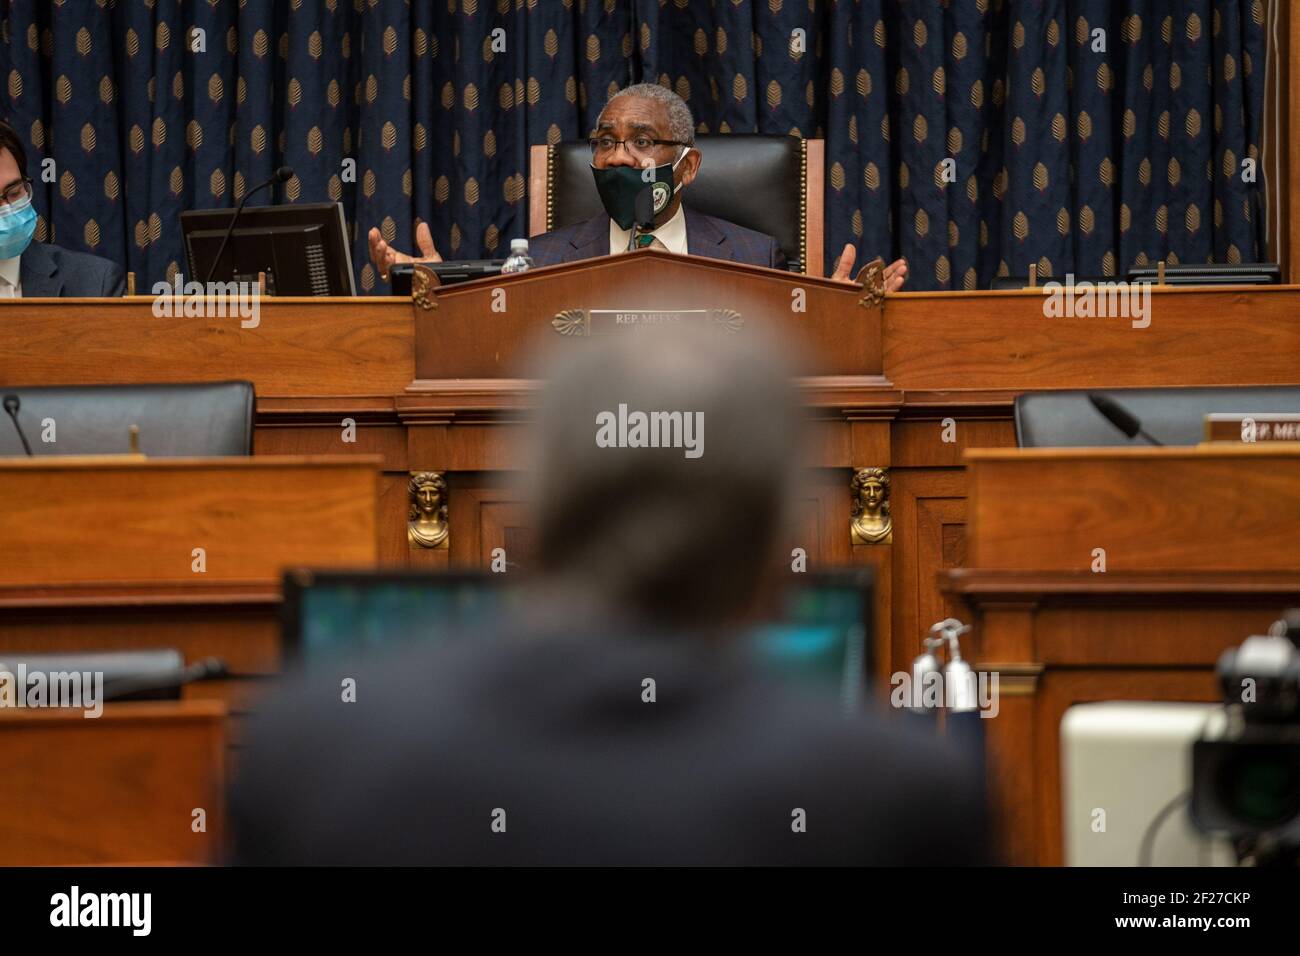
664	462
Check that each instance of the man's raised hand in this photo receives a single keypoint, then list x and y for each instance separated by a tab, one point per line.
385	256
895	272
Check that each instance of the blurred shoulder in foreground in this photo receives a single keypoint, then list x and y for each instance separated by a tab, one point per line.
548	738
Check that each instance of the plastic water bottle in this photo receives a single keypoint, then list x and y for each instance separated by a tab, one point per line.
519	260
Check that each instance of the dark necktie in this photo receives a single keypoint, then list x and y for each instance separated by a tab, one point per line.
644	239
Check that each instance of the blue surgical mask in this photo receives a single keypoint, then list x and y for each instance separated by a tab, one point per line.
17	226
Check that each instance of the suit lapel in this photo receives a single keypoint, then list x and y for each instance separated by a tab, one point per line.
38	273
704	238
590	239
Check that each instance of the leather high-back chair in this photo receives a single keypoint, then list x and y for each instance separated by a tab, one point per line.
198	419
769	183
1174	416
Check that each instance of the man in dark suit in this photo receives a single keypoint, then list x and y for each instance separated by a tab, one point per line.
642	127
37	269
624	722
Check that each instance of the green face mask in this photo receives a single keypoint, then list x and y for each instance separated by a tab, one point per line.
633	197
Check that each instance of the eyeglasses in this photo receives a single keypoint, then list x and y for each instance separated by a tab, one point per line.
640	147
17	192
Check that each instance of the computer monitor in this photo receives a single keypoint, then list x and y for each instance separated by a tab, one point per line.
820	634
303	249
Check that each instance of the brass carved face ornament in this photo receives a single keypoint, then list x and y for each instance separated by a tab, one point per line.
872	522
426	525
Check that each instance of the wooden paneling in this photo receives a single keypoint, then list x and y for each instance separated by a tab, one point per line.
387	441
1050	509
119	789
832	336
134	520
819	502
929	508
485	513
1001	340
924	443
240	627
537	190
498	445
305	347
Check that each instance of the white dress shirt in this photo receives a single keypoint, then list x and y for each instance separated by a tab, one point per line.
670	237
11	285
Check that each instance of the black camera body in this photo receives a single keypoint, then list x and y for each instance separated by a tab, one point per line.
1246	783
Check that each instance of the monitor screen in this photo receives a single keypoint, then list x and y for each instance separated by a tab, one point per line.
820	634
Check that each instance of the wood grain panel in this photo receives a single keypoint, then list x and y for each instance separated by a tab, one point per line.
1215	508
927	506
118	789
244	633
486	512
388	442
537	191
122	519
922	444
301	346
1001	340
833	336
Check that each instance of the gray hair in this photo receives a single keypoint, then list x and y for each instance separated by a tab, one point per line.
681	125
648	531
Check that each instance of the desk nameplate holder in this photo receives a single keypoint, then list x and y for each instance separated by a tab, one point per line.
1243	428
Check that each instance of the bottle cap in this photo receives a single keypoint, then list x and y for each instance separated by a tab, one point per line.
519	245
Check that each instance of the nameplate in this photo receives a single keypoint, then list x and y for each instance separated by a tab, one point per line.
1243	428
584	322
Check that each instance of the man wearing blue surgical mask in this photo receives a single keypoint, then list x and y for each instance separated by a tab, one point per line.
642	157
35	270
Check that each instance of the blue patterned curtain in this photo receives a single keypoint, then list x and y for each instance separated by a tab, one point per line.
973	137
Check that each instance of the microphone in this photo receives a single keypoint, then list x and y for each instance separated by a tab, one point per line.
1120	417
281	175
644	215
12	403
144	686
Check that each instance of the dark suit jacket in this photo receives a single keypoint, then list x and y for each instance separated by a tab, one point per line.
705	236
553	731
48	271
